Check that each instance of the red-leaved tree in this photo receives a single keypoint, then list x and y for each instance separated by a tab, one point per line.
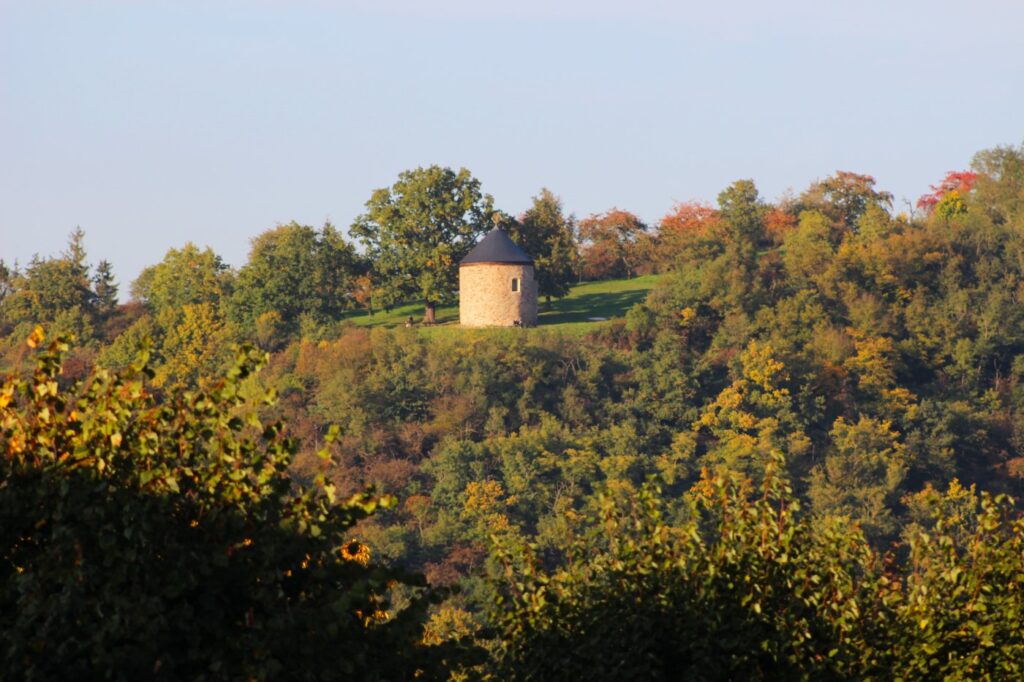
960	182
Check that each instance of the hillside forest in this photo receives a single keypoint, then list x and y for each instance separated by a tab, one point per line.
800	457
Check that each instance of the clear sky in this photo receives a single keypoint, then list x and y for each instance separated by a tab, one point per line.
152	123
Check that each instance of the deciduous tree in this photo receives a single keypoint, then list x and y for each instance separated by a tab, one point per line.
999	188
186	296
416	232
861	475
688	234
186	276
961	182
608	244
844	197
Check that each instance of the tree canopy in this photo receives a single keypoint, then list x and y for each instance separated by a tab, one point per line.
800	456
294	271
416	232
167	541
609	242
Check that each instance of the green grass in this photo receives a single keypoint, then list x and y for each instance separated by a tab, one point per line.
608	299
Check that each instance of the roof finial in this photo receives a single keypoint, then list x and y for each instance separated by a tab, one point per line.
497	219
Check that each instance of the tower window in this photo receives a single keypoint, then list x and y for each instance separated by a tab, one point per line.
515	284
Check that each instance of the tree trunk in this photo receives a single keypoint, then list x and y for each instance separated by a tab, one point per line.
428	315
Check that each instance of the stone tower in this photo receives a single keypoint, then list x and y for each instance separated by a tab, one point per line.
496	284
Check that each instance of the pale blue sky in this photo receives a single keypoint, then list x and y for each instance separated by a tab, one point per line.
154	123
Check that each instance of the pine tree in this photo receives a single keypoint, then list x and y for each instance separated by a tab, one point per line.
105	288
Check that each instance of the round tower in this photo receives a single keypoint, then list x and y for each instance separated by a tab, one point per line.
496	284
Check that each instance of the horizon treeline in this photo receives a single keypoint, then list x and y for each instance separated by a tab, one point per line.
299	280
879	351
801	456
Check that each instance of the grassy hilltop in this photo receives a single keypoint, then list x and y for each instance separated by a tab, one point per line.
577	312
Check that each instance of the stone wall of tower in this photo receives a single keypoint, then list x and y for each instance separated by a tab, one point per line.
486	298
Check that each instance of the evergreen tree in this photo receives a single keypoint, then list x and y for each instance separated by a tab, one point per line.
295	271
52	289
105	288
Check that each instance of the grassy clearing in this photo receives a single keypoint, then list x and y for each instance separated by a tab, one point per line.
576	313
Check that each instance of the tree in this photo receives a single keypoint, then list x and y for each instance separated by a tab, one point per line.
47	288
185	276
168	541
294	270
363	292
9	277
741	208
105	288
609	242
53	288
861	475
736	271
547	235
688	218
689	234
999	189
416	232
960	182
807	249
193	347
186	295
844	197
752	418
778	223
76	254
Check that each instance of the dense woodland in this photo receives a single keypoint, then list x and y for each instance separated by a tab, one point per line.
801	457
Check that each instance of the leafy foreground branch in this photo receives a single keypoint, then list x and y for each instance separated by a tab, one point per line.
164	540
753	590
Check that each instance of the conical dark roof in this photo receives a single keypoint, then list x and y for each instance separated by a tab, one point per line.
497	247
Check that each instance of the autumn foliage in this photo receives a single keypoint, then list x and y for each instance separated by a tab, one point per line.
960	182
165	540
799	456
609	244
